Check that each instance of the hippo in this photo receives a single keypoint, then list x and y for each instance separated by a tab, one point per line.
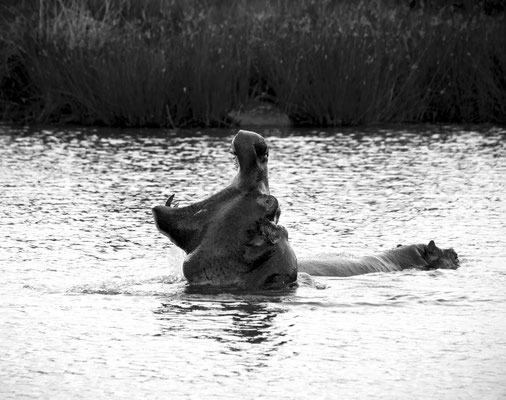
414	256
232	238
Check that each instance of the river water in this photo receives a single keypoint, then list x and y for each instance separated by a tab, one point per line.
93	305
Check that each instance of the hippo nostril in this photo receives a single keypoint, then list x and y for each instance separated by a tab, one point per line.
261	148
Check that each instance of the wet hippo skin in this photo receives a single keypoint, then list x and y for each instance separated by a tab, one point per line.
419	256
232	238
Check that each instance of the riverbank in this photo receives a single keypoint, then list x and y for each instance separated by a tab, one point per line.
179	64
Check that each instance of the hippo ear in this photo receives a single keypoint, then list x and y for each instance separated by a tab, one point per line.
431	247
432	251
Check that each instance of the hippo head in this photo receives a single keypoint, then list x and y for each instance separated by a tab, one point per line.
232	238
438	258
426	256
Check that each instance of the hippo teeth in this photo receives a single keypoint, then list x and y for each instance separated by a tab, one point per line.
169	201
273	219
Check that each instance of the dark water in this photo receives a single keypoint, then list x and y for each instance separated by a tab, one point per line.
92	304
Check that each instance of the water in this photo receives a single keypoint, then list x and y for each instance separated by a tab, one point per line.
92	303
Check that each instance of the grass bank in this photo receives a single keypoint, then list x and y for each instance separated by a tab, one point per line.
177	63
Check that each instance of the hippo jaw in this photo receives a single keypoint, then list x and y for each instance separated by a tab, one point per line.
187	226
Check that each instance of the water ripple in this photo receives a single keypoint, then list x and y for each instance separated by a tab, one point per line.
92	296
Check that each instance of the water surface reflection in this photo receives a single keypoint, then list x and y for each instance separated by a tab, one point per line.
247	325
91	295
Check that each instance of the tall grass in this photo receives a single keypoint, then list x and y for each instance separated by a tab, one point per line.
112	71
174	63
348	65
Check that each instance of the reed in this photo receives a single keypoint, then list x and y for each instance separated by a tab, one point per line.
174	63
347	65
114	71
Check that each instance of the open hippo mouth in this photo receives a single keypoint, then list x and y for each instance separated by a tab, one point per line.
233	238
